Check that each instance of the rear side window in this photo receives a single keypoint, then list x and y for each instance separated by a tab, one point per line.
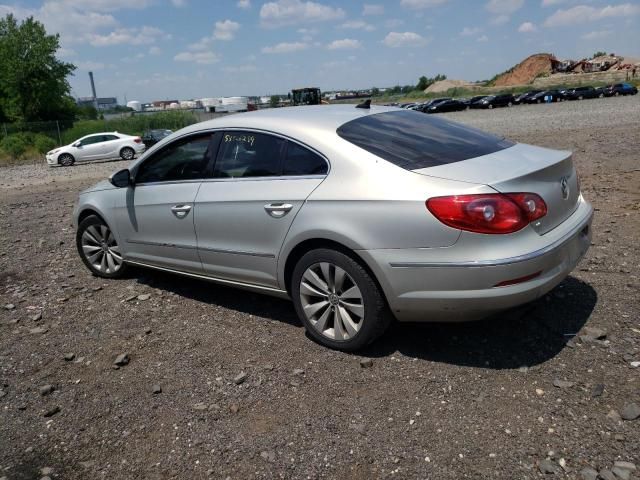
302	161
249	154
413	140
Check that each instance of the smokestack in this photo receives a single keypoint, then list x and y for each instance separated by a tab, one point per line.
93	88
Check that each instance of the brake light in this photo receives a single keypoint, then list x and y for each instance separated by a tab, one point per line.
137	140
493	213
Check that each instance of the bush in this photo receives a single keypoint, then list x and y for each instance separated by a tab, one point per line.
14	145
43	144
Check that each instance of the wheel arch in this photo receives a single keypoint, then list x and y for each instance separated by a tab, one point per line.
307	245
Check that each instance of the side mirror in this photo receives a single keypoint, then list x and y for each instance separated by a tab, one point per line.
77	144
121	179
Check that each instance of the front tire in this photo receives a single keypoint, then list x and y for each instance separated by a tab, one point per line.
338	301
99	249
127	153
66	160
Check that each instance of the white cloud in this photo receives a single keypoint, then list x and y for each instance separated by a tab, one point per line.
500	20
393	23
66	53
596	35
179	3
504	7
127	36
225	30
102	5
404	39
155	51
470	31
286	47
421	4
90	66
202	58
371	9
527	27
244	4
583	13
240	69
550	3
290	12
344	44
483	38
203	44
358	25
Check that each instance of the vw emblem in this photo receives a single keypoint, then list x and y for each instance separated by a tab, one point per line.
564	186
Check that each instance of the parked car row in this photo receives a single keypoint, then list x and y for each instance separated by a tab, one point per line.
447	104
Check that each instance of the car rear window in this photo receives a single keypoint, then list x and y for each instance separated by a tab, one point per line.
414	140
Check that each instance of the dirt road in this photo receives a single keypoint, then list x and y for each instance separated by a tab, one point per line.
224	384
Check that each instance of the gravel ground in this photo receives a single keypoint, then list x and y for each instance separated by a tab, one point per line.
220	383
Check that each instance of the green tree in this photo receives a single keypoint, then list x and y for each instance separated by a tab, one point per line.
423	82
274	101
375	91
33	82
598	54
87	112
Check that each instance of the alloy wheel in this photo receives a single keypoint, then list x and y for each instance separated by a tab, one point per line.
101	250
127	154
332	301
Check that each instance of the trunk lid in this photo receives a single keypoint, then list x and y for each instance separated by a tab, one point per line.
522	168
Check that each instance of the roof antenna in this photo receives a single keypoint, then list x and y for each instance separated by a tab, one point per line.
365	104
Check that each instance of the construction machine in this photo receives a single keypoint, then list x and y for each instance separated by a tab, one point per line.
306	96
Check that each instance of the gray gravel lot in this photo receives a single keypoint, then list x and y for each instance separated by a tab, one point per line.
223	384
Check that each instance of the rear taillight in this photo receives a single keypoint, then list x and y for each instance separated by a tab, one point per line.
137	140
493	213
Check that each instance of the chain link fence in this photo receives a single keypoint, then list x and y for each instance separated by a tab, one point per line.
51	129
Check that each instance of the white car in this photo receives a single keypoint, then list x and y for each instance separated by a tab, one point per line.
97	146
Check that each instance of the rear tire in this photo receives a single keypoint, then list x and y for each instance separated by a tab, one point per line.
490	106
509	104
580	97
127	153
66	160
617	94
338	301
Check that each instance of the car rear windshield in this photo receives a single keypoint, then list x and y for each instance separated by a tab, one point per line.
414	140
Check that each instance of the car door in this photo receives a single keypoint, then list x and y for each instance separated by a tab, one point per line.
260	181
155	217
89	148
111	146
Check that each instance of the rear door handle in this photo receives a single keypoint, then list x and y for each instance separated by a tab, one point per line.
277	210
181	210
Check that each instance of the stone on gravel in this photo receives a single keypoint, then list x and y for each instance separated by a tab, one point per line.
613	415
46	390
588	473
597	390
624	465
38	330
268	455
621	473
606	474
547	466
52	411
562	383
539	392
156	389
635	364
36	317
593	332
240	378
234	408
46	471
366	363
631	411
121	360
298	371
9	306
143	297
68	357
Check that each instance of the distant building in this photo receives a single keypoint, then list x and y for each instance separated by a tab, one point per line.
162	104
101	103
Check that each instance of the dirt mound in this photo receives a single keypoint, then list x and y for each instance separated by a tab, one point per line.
526	71
444	85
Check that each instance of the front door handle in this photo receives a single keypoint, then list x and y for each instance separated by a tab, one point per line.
181	210
277	210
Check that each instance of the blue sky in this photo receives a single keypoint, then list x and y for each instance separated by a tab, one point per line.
159	49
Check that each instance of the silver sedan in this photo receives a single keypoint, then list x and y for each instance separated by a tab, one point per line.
359	215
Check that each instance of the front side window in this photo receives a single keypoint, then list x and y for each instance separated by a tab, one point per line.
184	159
248	154
413	140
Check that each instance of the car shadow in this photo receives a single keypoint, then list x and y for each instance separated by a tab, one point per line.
517	338
521	337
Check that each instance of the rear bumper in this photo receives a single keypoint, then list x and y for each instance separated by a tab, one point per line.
422	286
